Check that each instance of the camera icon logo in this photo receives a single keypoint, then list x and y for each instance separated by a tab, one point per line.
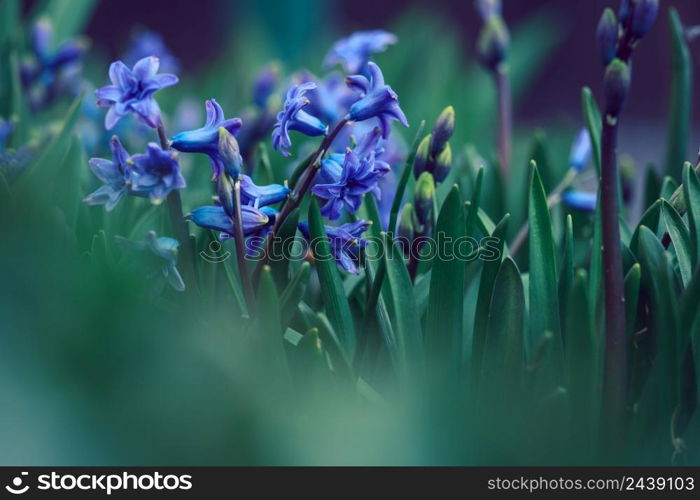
16	487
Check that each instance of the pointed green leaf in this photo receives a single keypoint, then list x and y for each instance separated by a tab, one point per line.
681	240
691	193
294	292
337	307
443	335
407	170
592	118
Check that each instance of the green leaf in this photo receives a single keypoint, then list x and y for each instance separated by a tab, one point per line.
544	303
406	320
407	170
483	303
691	193
504	350
337	307
68	17
294	292
592	117
566	276
42	173
9	19
632	283
681	240
443	331
650	219
473	208
596	266
67	193
681	97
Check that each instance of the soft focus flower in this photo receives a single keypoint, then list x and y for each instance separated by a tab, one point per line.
331	99
354	51
580	200
161	266
580	150
144	43
293	117
265	84
6	129
606	36
132	91
488	8
260	196
360	172
156	173
345	242
51	73
14	162
206	139
378	100
116	175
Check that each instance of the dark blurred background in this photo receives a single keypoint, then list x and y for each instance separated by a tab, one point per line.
196	31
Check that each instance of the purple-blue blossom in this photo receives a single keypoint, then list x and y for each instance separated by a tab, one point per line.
344	186
260	196
294	117
218	218
116	175
379	100
206	139
345	242
354	51
156	173
132	91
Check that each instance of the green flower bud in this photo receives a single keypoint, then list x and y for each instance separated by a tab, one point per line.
229	153
423	197
420	164
492	45
443	162
443	130
405	228
224	189
616	87
606	36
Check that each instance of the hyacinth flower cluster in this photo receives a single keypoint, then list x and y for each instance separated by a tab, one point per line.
50	73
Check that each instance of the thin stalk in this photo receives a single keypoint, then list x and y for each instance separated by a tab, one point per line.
615	376
505	119
178	222
300	189
240	247
553	198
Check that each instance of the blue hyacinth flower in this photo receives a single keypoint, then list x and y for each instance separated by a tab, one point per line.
132	91
6	129
378	100
360	172
293	117
354	51
155	173
265	84
260	196
580	151
116	175
580	200
219	219
160	260
206	139
345	242
51	72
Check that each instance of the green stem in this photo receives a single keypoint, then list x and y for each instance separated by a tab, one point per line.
240	248
300	189
615	375
505	119
178	222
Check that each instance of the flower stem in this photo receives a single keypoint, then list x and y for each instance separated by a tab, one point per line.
505	119
240	247
178	222
615	376
300	189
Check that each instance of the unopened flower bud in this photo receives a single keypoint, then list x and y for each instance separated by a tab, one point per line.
606	36
405	230
420	163
616	86
443	130
224	190
643	15
424	196
230	153
492	46
580	150
443	162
